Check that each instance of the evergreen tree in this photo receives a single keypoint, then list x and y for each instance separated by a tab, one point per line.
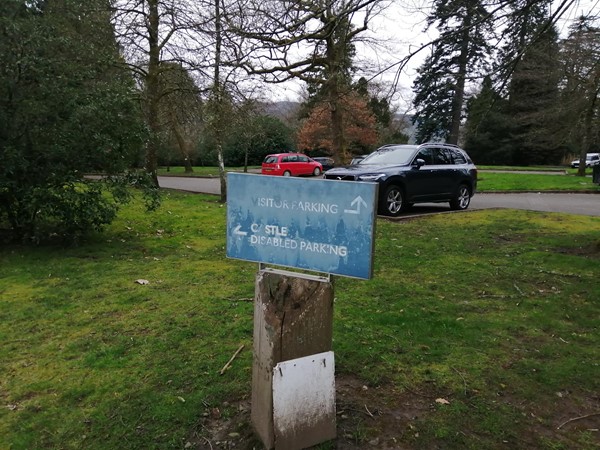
580	99
389	128
488	128
250	141
527	18
533	101
459	54
64	111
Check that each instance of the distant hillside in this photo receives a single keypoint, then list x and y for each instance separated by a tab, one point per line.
410	130
285	110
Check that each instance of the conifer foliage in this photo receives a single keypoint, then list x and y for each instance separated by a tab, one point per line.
520	97
459	54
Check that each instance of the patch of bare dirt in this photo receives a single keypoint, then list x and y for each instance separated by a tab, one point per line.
378	418
591	250
388	419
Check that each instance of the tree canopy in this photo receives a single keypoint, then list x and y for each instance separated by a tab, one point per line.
97	86
60	99
359	125
459	54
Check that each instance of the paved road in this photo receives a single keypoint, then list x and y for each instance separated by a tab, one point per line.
585	204
191	184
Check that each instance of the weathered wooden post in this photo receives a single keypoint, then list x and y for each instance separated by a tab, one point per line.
318	225
293	318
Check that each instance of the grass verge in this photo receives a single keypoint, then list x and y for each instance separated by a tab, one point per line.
515	182
494	312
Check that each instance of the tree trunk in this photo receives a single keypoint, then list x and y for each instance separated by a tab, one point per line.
153	89
337	124
333	89
218	102
459	95
184	146
586	136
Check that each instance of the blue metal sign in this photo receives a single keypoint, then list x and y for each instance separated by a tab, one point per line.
320	225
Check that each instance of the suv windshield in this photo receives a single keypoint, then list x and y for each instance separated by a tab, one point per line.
397	154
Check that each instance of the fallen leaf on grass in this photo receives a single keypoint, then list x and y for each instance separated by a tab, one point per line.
442	401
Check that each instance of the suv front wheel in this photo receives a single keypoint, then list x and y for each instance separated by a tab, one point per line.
393	201
462	198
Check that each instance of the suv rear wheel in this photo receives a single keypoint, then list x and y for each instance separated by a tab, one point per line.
462	198
393	201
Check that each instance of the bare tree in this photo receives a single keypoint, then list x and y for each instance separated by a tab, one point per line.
225	83
310	41
152	33
217	97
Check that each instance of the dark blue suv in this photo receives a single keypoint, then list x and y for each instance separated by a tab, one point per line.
409	174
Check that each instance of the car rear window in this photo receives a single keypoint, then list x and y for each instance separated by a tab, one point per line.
442	156
270	159
458	157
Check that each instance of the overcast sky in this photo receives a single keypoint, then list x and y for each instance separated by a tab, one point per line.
399	30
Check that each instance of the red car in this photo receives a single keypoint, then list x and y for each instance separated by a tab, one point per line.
290	164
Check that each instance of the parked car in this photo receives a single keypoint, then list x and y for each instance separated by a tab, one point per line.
409	174
290	164
591	160
326	162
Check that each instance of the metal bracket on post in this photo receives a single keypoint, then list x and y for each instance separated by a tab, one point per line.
305	276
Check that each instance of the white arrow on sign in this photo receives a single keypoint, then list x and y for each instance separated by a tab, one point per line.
358	201
237	231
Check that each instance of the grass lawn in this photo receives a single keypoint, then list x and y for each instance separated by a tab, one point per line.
488	181
479	330
524	168
515	182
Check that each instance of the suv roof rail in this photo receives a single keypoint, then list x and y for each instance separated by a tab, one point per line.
440	143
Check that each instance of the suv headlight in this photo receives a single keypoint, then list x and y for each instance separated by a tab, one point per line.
371	176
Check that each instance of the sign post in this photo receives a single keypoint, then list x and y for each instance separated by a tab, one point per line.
315	225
